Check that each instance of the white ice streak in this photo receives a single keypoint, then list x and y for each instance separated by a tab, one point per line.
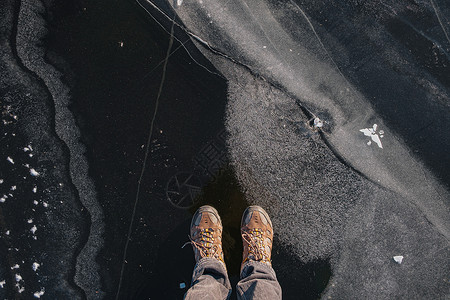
33	172
10	160
35	266
35	189
39	294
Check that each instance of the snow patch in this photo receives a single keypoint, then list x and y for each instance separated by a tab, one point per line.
318	123
372	133
33	172
35	266
398	259
39	294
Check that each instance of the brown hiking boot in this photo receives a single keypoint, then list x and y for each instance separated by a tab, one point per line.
257	235
206	233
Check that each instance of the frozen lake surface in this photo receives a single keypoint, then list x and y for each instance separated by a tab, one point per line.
119	119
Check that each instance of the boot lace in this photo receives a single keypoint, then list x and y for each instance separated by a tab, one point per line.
204	243
257	250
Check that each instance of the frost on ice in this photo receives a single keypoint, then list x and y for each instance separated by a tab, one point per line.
33	172
35	266
39	294
372	133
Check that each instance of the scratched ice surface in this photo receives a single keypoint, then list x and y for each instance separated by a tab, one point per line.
334	116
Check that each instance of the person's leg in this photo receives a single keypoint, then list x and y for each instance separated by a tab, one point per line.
258	279
209	279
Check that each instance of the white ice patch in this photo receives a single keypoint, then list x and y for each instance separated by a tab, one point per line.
372	133
35	266
2	283
33	229
3	199
18	277
30	221
10	160
35	202
13	188
45	204
16	266
33	172
398	259
318	123
39	294
7	232
1	181
35	189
